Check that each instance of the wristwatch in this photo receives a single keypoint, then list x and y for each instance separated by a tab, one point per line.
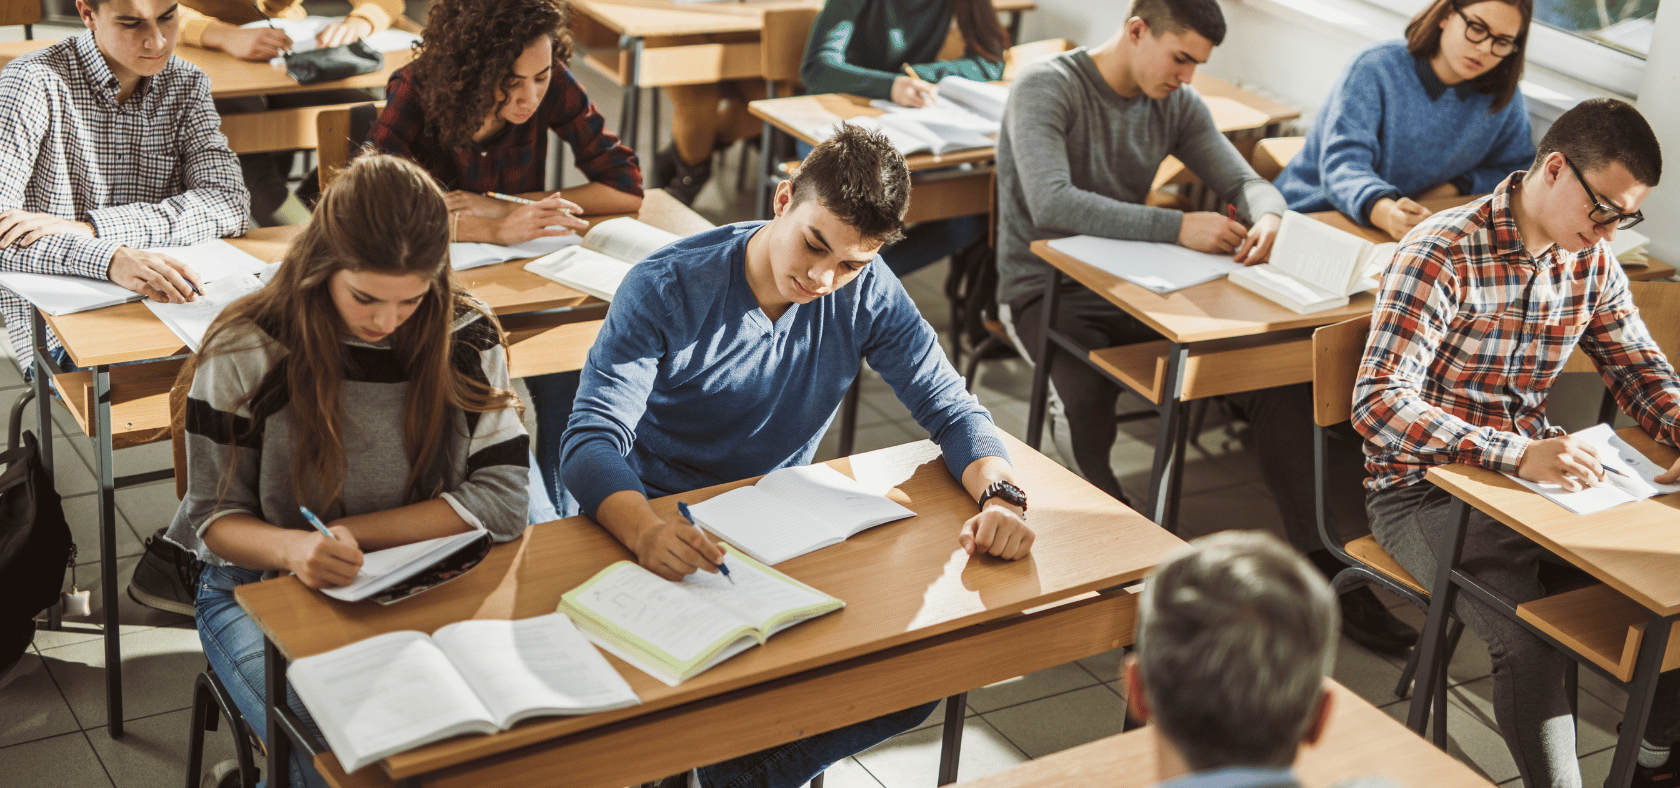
1007	492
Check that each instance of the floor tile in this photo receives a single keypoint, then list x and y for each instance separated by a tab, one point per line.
145	458
1471	738
1469	662
849	774
1031	687
937	718
135	616
158	668
35	709
1245	506
82	513
1105	666
148	507
1595	768
1057	723
153	750
911	760
1367	673
71	475
66	761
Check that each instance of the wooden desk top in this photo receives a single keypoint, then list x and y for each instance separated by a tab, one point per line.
231	77
1360	740
903	583
129	332
1634	548
653	18
1654	269
1212	87
1211	310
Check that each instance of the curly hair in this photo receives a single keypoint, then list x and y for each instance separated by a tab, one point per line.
469	49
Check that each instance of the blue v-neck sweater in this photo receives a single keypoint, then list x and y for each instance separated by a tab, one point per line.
1391	128
689	384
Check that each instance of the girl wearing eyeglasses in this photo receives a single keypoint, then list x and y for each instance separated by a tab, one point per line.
1435	115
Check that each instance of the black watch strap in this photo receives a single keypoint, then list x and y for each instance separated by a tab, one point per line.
1007	492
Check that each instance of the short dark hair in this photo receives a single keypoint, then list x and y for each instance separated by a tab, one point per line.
1423	40
1175	16
1599	131
862	178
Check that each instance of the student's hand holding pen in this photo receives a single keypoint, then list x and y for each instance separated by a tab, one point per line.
676	548
551	216
258	44
158	277
1206	231
1397	217
1566	461
913	91
1257	245
327	557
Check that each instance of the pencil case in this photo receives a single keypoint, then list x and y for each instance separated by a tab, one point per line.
330	63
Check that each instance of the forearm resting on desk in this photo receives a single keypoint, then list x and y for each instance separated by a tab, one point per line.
319	562
1000	528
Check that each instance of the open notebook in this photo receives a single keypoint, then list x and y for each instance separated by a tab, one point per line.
1314	266
1160	267
397	573
608	251
962	104
1636	481
192	319
57	294
793	511
397	691
675	631
467	255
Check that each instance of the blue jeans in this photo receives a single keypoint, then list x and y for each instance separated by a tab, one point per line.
234	647
551	397
795	763
540	510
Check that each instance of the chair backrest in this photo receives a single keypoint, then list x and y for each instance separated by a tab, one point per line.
337	132
1273	154
178	433
1336	353
782	44
1022	54
20	12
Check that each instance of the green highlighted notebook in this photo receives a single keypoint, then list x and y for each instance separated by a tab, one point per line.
675	631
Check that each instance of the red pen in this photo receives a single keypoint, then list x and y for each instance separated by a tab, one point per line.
1231	211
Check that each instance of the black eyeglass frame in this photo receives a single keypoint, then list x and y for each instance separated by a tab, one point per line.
1623	221
1471	25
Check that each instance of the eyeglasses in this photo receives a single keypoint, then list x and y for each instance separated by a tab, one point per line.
1602	214
1475	32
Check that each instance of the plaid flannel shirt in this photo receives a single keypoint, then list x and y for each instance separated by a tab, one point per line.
1470	332
152	171
513	161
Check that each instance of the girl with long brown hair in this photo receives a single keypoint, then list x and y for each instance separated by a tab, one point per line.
362	383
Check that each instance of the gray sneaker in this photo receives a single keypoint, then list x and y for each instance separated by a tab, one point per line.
166	577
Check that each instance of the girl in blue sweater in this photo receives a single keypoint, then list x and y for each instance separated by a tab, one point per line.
1435	115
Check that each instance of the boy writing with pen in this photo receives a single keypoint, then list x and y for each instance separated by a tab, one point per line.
724	356
475	109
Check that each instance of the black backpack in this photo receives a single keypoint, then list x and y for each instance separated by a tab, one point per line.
35	547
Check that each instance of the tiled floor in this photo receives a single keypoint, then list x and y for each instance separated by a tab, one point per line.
52	715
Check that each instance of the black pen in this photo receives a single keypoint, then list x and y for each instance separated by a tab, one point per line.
257	4
683	507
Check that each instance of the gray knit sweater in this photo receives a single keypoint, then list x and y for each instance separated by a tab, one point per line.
486	478
1076	158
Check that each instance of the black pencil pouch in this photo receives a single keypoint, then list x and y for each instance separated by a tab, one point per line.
330	63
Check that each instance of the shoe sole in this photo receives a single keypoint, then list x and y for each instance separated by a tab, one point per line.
159	603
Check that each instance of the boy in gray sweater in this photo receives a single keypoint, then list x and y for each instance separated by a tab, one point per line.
1083	136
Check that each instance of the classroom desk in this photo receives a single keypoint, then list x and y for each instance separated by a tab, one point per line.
1631	548
1218	339
916	607
655	43
1359	741
230	77
120	397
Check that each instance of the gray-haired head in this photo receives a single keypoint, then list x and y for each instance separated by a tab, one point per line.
1235	636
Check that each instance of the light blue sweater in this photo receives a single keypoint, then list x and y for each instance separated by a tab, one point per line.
689	384
1390	128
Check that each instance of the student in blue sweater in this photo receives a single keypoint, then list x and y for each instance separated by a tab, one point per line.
724	356
1435	115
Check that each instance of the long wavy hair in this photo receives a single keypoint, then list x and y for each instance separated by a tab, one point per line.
468	52
383	215
1423	40
982	33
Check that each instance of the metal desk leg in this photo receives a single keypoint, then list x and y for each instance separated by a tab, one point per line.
1041	369
108	546
631	47
1014	27
1641	694
1431	655
279	744
1169	449
43	390
950	749
766	171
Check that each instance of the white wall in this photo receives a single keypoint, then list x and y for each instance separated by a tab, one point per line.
1659	100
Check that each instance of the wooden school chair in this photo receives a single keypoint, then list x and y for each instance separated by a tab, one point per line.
21	12
1272	154
781	53
338	131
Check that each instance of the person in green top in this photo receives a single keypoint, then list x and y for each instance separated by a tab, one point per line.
863	47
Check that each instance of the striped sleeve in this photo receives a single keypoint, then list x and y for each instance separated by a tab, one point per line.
494	493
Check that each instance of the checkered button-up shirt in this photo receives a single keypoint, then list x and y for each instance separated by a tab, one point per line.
511	162
151	171
1470	332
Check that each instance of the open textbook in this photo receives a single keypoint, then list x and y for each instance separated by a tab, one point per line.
911	134
57	294
397	573
397	691
192	319
608	250
962	103
1636	480
675	631
1314	266
1160	267
466	255
792	511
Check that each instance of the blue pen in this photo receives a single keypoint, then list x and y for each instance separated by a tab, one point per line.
316	521
683	507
